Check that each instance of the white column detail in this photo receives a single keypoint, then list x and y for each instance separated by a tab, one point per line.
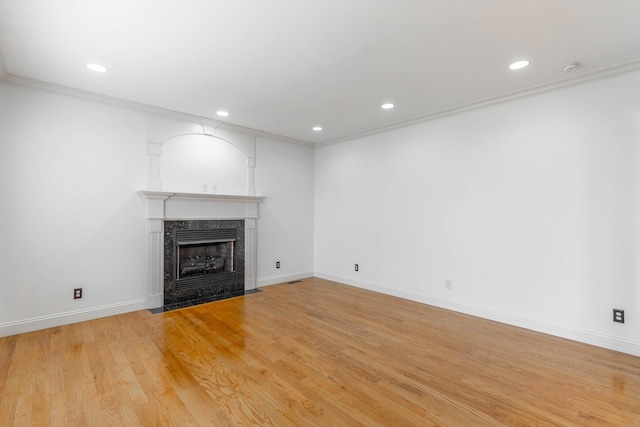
155	151
251	168
250	248
155	250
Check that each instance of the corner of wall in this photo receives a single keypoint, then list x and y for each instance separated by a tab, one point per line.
274	280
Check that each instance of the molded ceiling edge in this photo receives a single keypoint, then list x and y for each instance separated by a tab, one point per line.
584	77
145	108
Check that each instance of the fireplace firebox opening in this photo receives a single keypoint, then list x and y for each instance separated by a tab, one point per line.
203	259
197	259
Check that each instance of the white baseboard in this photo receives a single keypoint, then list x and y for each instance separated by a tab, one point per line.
267	281
44	322
538	325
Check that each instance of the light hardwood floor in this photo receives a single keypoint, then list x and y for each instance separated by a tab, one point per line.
314	353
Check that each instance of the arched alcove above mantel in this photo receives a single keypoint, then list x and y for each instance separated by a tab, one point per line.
203	163
193	157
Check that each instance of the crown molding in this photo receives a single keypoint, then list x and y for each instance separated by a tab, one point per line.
583	77
140	107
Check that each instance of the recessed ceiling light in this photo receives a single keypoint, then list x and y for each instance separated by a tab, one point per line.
387	106
519	65
97	67
317	128
222	113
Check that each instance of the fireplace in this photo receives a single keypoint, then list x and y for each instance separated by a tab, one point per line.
203	259
169	212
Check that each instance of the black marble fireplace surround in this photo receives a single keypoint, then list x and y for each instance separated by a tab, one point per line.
209	277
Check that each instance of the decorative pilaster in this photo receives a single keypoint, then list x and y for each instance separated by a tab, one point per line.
251	168
155	240
250	248
154	150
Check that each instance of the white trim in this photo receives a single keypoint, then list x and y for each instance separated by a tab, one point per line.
51	321
546	327
274	280
202	196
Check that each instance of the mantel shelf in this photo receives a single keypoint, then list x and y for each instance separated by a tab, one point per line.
199	196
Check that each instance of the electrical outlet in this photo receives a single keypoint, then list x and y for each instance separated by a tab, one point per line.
357	268
77	293
448	285
618	315
277	264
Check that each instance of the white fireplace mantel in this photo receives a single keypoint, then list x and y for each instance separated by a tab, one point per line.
174	205
162	205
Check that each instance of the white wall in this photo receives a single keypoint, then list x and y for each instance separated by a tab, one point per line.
71	215
284	174
199	163
529	207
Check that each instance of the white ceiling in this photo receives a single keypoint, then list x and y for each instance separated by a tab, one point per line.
283	66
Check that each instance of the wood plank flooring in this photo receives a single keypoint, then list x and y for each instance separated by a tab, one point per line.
314	353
